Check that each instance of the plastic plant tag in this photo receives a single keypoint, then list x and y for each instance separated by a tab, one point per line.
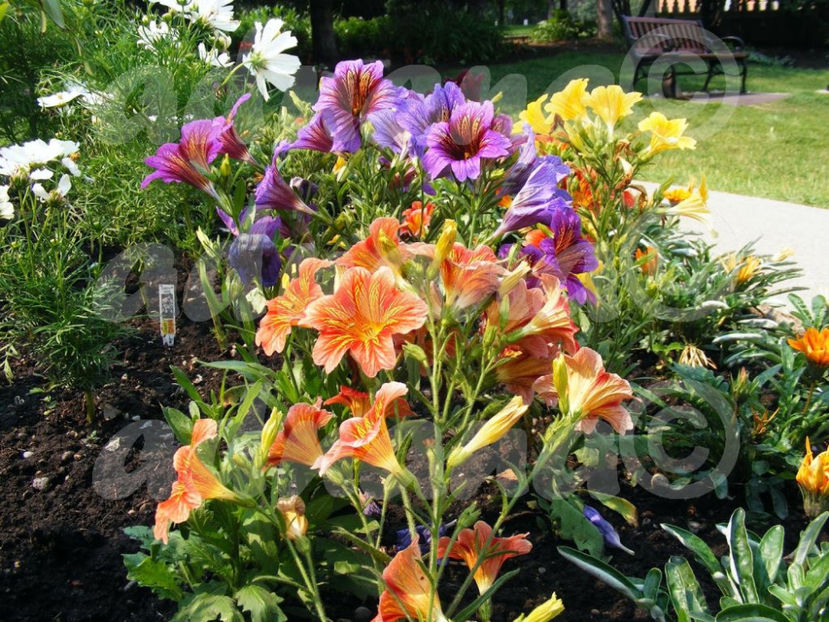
167	312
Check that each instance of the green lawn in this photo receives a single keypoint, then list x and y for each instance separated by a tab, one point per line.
778	150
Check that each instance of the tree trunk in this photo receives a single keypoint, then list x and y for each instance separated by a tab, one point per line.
322	32
501	8
551	8
604	19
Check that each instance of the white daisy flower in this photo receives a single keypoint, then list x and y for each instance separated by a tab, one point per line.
58	194
17	159
41	174
266	60
218	14
214	57
153	32
6	206
70	166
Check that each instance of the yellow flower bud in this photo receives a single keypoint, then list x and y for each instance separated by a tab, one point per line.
293	510
491	432
545	611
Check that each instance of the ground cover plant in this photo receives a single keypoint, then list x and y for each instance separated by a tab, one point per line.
427	337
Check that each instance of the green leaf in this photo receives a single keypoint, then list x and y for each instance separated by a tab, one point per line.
181	424
207	607
740	557
156	576
771	553
262	604
704	555
465	613
604	572
684	589
751	613
623	507
807	539
53	10
3	8
574	526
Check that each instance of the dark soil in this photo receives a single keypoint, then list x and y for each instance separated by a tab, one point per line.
61	546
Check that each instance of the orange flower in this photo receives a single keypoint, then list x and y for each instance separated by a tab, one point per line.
362	317
538	318
408	590
649	259
285	311
815	345
471	546
359	403
585	390
367	438
195	482
416	219
297	441
813	479
469	276
520	372
370	254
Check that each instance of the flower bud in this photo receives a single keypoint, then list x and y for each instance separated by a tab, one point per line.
293	510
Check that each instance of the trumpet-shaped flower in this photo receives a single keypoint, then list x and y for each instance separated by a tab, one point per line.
611	103
535	117
477	547
648	260
266	61
359	403
418	114
367	438
695	206
520	372
570	103
408	593
469	276
813	479
187	160
545	612
194	484
666	133
588	392
539	197
382	247
461	143
293	511
297	441
361	318
228	138
416	219
286	311
274	193
815	345
351	96
491	431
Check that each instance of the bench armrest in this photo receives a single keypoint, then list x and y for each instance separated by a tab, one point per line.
738	43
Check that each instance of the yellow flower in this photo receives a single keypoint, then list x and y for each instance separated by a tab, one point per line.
666	133
692	356
695	206
533	115
813	479
676	195
745	267
611	103
570	103
293	510
815	345
491	431
545	612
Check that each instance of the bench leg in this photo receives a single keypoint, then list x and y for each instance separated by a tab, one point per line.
669	84
711	67
743	74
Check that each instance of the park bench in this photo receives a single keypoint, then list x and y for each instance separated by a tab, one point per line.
672	42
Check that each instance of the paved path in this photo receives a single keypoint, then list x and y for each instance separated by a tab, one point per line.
775	225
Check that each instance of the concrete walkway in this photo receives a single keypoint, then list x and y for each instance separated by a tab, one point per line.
773	225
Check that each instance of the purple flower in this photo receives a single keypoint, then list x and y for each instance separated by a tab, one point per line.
389	133
564	255
187	160
611	538
351	96
315	136
538	197
404	538
273	193
254	255
461	143
418	113
229	140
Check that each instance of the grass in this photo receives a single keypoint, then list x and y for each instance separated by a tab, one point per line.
778	150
